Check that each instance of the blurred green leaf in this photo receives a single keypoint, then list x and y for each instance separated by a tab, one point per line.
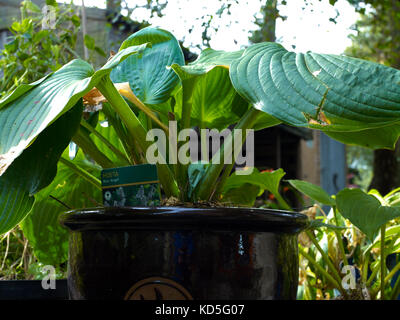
100	51
89	42
11	46
29	5
313	191
365	211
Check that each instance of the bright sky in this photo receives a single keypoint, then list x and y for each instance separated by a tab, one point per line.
310	29
306	27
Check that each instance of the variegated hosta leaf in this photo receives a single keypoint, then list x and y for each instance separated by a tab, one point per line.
329	92
208	91
35	169
20	90
26	112
22	120
148	76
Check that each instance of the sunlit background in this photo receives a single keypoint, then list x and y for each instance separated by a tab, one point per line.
306	27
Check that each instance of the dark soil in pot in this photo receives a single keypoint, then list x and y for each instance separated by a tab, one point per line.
183	253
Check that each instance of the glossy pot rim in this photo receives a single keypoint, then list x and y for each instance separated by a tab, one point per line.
185	218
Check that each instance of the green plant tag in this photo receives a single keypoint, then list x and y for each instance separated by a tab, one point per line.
131	186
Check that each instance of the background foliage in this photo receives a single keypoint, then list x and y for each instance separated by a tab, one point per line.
30	53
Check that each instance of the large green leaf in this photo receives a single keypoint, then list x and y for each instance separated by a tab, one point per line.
208	91
27	112
365	211
20	90
148	76
34	169
22	120
41	227
208	60
378	138
328	92
266	180
244	195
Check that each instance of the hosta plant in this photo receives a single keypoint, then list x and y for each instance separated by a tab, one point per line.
146	85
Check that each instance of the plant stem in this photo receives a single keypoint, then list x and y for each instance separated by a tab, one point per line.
372	276
207	186
225	175
333	281
221	183
137	132
365	268
126	139
180	168
6	253
81	172
116	151
89	147
328	261
126	114
140	105
282	202
383	262
339	238
187	90
83	24
392	273
61	202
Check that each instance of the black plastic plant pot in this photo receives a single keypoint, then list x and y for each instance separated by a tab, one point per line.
175	253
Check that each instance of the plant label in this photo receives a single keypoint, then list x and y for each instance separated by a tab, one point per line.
131	186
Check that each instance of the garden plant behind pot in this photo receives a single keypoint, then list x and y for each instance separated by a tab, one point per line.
150	104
